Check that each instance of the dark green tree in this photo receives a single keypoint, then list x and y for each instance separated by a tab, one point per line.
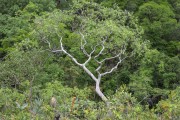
91	36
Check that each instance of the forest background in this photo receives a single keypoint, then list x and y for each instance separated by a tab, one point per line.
34	70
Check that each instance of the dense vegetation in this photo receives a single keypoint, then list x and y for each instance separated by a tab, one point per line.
136	41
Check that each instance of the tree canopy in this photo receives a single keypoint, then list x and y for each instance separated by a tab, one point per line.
89	59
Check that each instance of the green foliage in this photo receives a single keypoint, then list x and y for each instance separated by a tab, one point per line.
130	5
44	5
156	18
154	12
64	96
14	30
159	18
30	75
156	71
17	105
124	107
172	74
12	6
118	27
12	104
15	26
32	66
176	7
170	108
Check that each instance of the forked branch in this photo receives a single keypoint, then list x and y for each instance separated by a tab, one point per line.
90	56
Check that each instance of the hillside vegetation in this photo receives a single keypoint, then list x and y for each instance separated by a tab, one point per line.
90	59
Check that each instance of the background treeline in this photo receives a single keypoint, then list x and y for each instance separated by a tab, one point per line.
144	86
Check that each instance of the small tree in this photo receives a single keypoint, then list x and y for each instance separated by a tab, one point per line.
105	36
90	56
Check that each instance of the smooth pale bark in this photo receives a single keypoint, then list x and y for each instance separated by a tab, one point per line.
90	57
99	92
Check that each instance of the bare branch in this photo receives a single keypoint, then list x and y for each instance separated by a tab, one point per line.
49	44
65	52
89	73
90	55
97	70
83	45
101	62
46	41
110	58
79	64
123	49
54	51
112	69
101	51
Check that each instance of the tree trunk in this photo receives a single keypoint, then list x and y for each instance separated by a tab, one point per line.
98	91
